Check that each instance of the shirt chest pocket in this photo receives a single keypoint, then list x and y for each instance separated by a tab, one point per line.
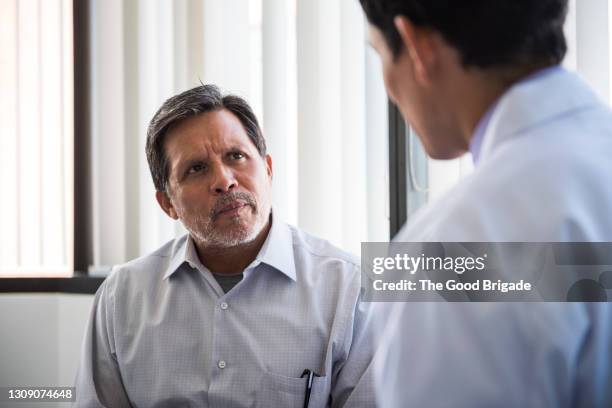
280	391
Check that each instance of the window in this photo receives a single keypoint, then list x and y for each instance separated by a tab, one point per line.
36	138
408	168
75	109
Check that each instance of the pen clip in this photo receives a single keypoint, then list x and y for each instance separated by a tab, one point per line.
308	371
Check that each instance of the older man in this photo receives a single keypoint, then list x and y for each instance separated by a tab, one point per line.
244	310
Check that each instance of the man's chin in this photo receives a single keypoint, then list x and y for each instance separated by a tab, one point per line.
227	232
230	237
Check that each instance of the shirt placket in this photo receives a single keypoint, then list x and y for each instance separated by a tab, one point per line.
222	363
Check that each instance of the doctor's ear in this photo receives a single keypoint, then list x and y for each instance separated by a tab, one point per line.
421	44
164	202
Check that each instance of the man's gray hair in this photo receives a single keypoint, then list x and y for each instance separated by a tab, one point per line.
201	99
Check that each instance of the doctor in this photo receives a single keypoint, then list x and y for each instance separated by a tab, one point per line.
484	77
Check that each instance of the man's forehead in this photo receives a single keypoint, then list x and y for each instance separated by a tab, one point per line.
210	129
218	122
189	154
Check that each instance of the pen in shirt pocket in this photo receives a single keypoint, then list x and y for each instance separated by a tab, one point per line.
310	375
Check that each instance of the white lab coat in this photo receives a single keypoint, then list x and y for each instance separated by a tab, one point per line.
545	174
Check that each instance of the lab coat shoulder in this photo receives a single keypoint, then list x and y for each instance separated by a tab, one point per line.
547	183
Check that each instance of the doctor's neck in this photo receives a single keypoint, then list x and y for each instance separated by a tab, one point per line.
479	89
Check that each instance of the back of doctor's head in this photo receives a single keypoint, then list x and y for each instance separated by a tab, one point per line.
487	33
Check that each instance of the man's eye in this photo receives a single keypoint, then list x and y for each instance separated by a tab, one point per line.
196	168
236	155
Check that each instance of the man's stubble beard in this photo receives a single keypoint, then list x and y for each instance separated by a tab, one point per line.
206	233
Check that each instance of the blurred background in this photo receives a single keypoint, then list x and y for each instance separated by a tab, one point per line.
79	83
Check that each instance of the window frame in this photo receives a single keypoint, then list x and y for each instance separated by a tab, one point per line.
398	171
80	282
404	196
83	246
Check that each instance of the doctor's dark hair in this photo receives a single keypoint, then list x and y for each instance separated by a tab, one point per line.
487	33
201	99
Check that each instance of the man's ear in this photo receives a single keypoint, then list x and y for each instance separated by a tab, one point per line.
164	202
420	45
269	165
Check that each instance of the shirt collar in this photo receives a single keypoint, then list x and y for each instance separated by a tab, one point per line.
481	128
178	254
276	251
479	133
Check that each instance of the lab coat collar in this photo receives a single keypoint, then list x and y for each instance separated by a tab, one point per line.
533	102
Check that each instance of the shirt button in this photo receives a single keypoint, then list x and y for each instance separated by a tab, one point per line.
221	364
223	305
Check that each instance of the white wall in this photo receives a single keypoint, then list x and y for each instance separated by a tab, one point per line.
40	339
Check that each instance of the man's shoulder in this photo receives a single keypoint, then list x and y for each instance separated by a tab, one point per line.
325	269
150	267
554	170
319	248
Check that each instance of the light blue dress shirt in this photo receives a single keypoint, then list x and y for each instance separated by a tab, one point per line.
543	175
162	332
483	123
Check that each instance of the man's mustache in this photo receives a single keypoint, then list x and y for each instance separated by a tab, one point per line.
229	198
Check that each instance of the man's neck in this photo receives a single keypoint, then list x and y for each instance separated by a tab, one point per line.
234	259
482	90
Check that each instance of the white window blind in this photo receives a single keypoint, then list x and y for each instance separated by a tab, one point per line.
36	138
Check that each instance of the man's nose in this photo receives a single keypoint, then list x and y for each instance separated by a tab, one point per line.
223	181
